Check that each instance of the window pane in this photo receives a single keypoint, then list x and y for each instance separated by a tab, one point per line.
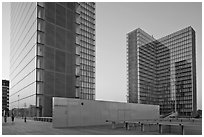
60	15
77	71
68	63
39	62
49	58
40	12
77	60
71	5
49	83
77	81
70	21
70	41
77	39
47	106
40	37
77	92
60	38
69	86
39	87
39	50
59	61
77	50
50	34
50	11
59	85
41	25
39	75
78	30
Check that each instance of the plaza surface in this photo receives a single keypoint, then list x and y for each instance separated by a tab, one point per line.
19	127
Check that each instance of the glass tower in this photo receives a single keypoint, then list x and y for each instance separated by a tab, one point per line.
163	71
52	54
5	96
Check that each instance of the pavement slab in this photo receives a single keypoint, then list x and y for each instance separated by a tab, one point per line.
19	127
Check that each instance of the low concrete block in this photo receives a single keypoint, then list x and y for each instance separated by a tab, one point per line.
68	112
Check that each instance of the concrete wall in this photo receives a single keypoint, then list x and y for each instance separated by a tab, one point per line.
69	112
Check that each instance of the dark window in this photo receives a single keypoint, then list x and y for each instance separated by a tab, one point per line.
64	4
70	92
47	106
70	41
60	38
50	11
69	63
70	21
49	83
59	61
50	34
60	16
59	85
71	5
49	58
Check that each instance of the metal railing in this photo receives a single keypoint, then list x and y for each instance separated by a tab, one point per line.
43	119
143	126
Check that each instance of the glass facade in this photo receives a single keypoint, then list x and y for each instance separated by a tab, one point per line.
56	57
141	67
23	55
5	96
163	71
87	48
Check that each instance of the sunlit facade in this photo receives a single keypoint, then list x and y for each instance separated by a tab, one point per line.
163	71
52	54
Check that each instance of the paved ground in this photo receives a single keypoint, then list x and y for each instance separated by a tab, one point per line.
191	127
44	128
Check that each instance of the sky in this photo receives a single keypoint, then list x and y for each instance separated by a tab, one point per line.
113	22
5	40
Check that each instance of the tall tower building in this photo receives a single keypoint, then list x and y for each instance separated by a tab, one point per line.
52	54
163	71
5	96
141	54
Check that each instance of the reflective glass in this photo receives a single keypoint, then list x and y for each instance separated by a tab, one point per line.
60	38
49	83
60	16
50	11
49	58
50	34
59	61
59	85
